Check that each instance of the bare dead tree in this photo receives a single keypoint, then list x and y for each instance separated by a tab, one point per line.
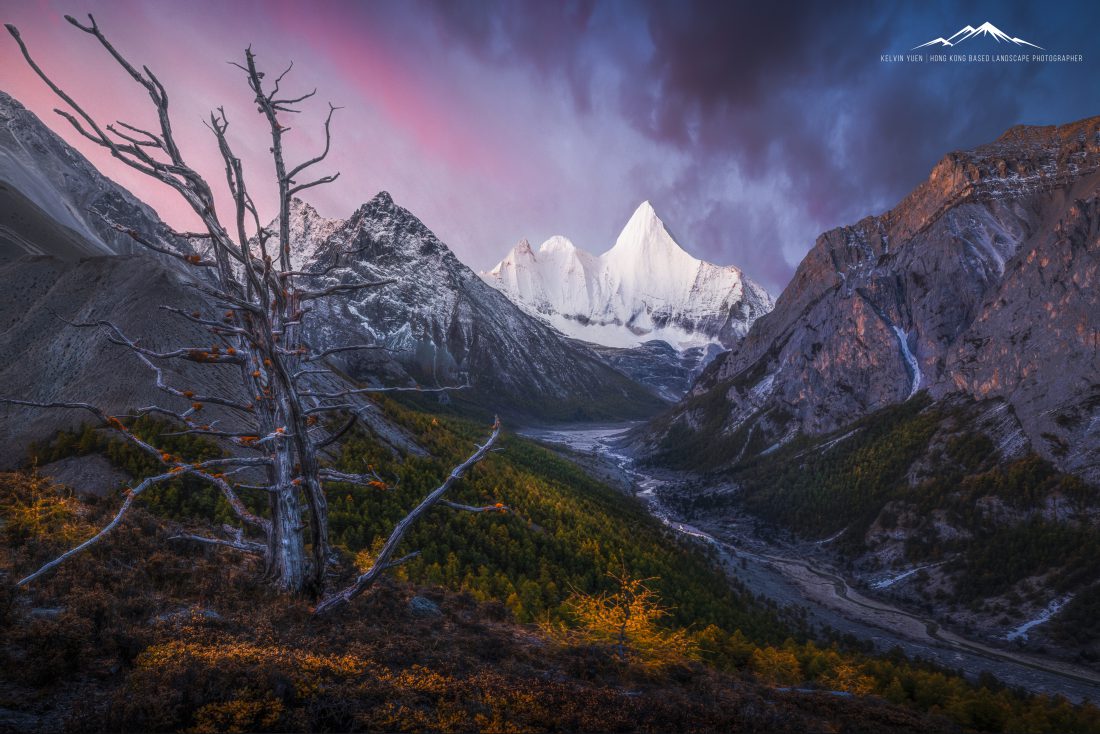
259	301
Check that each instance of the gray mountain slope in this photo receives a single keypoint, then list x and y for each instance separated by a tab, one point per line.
49	191
61	363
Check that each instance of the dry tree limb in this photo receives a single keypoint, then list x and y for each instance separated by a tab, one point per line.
382	560
259	335
126	504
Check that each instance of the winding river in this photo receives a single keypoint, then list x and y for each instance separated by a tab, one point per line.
827	598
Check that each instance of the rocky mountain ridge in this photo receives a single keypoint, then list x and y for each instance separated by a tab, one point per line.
981	281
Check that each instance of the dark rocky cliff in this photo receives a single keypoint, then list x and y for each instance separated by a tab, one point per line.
982	281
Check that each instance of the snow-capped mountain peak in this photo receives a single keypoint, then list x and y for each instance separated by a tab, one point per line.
308	230
645	287
557	244
521	253
645	234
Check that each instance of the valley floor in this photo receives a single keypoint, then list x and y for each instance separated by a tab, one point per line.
802	578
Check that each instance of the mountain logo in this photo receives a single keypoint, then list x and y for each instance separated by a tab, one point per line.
967	32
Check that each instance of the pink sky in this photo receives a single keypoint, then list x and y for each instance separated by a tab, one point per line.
435	141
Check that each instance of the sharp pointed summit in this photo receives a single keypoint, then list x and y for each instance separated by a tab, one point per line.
522	252
645	287
645	233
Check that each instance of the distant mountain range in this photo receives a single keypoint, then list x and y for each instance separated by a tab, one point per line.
440	323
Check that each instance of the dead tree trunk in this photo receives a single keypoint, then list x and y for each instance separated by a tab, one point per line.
255	306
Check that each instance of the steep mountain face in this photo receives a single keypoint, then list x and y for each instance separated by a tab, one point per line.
981	281
442	325
644	288
54	202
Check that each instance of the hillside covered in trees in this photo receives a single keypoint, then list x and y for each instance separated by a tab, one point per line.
916	486
502	601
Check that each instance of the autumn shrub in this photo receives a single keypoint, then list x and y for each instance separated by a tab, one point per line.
37	511
776	667
628	622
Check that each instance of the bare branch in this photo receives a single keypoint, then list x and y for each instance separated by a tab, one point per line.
219	327
336	265
328	140
279	79
224	297
131	139
313	357
126	503
403	560
150	245
498	507
336	435
116	336
154	140
369	479
366	390
303	373
239	543
381	562
342	288
189	235
310	184
331	408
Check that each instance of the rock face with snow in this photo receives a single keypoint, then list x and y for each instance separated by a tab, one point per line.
644	288
671	372
442	325
983	281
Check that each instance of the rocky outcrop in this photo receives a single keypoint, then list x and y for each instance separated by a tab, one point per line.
669	371
980	281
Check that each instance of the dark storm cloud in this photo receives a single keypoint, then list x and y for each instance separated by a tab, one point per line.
751	127
792	100
550	36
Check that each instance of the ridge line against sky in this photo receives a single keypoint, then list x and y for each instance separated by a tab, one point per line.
751	127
